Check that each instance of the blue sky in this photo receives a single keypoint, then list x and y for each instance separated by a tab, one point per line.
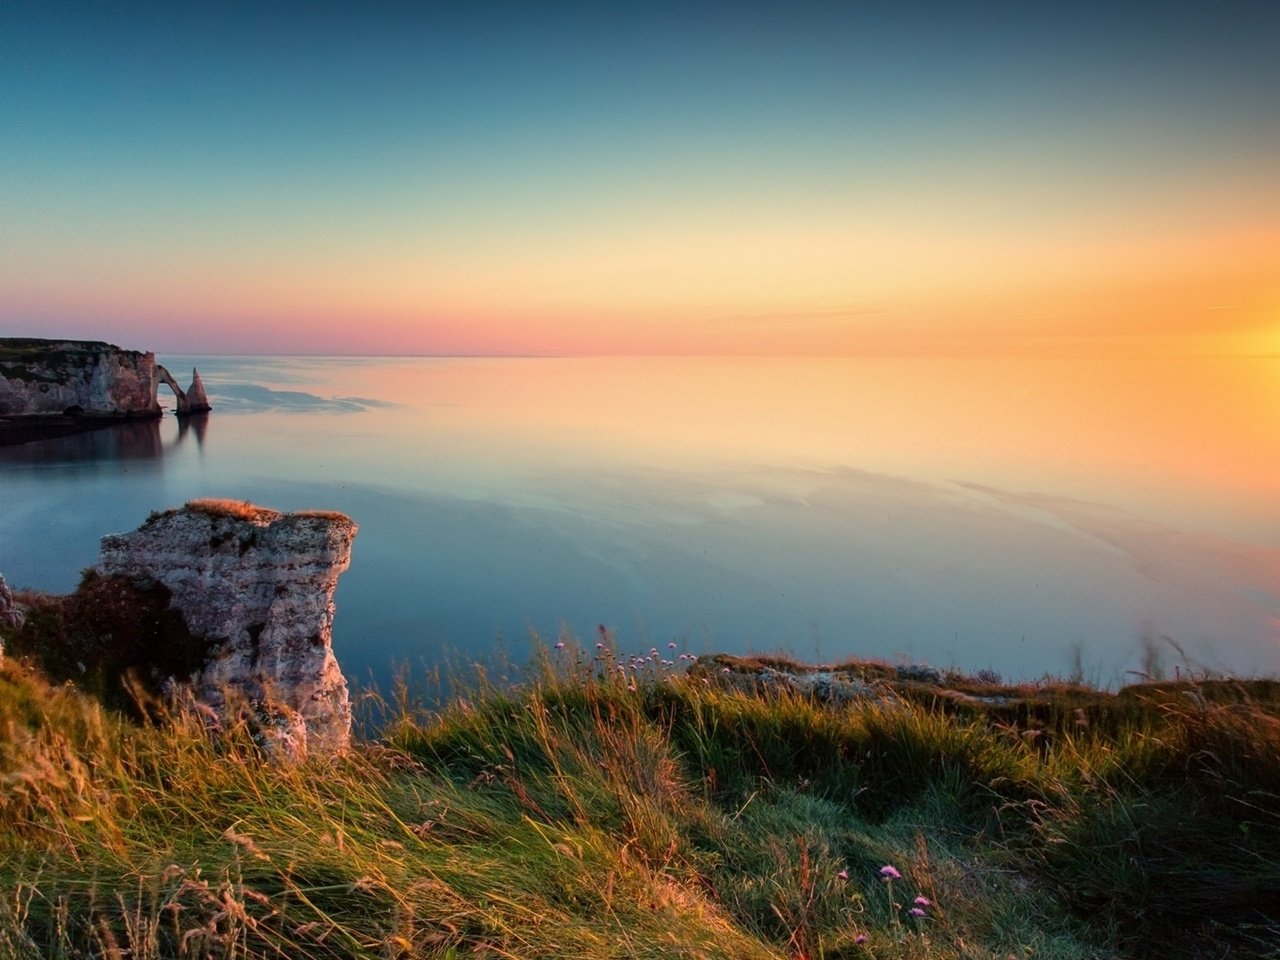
624	178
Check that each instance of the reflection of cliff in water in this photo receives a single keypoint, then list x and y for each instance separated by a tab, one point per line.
127	440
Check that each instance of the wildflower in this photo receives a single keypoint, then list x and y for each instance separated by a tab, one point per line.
860	939
599	646
890	873
843	874
917	912
560	645
724	669
671	645
922	902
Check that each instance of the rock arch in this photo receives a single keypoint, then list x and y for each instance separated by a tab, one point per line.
190	401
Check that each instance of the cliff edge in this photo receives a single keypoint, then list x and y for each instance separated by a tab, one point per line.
257	585
221	603
76	377
51	388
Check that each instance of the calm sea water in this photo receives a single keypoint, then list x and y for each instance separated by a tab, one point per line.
1027	516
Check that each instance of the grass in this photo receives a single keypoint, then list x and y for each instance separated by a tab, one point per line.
35	360
244	510
650	813
236	509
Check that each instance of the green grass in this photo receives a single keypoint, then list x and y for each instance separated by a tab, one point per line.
693	816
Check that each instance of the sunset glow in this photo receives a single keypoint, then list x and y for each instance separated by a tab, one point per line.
829	180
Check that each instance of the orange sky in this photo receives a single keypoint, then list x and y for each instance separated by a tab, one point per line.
859	182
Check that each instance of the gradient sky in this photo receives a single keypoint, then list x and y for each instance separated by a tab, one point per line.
854	178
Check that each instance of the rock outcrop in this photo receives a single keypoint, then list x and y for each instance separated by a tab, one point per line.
197	399
257	586
78	377
190	401
10	615
52	388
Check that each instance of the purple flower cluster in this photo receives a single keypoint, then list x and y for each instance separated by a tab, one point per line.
919	909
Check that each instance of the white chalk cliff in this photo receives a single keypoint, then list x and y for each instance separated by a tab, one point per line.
10	615
258	586
41	377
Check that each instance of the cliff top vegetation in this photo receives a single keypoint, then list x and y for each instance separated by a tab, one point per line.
619	807
239	509
244	510
28	349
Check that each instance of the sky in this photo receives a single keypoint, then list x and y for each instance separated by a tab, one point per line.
864	179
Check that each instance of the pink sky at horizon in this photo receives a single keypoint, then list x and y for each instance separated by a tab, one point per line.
1208	294
823	181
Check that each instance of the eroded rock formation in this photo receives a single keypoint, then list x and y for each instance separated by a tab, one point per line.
257	586
51	388
10	615
78	376
197	399
190	401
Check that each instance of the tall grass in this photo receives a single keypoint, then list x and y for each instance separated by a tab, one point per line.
649	813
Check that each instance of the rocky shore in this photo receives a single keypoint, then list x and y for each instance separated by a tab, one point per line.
52	388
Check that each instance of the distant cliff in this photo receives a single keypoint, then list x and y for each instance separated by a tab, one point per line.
76	377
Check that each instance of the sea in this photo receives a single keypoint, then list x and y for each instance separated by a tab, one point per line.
1104	520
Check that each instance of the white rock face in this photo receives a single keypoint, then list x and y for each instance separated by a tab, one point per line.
193	399
197	399
258	585
10	615
52	377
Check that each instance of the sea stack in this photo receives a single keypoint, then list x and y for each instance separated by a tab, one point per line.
197	399
257	585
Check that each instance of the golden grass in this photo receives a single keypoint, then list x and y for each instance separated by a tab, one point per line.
239	509
578	817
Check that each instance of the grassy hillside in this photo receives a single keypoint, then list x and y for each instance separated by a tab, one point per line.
605	812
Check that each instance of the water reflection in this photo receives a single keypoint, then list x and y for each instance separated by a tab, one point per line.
127	440
196	425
